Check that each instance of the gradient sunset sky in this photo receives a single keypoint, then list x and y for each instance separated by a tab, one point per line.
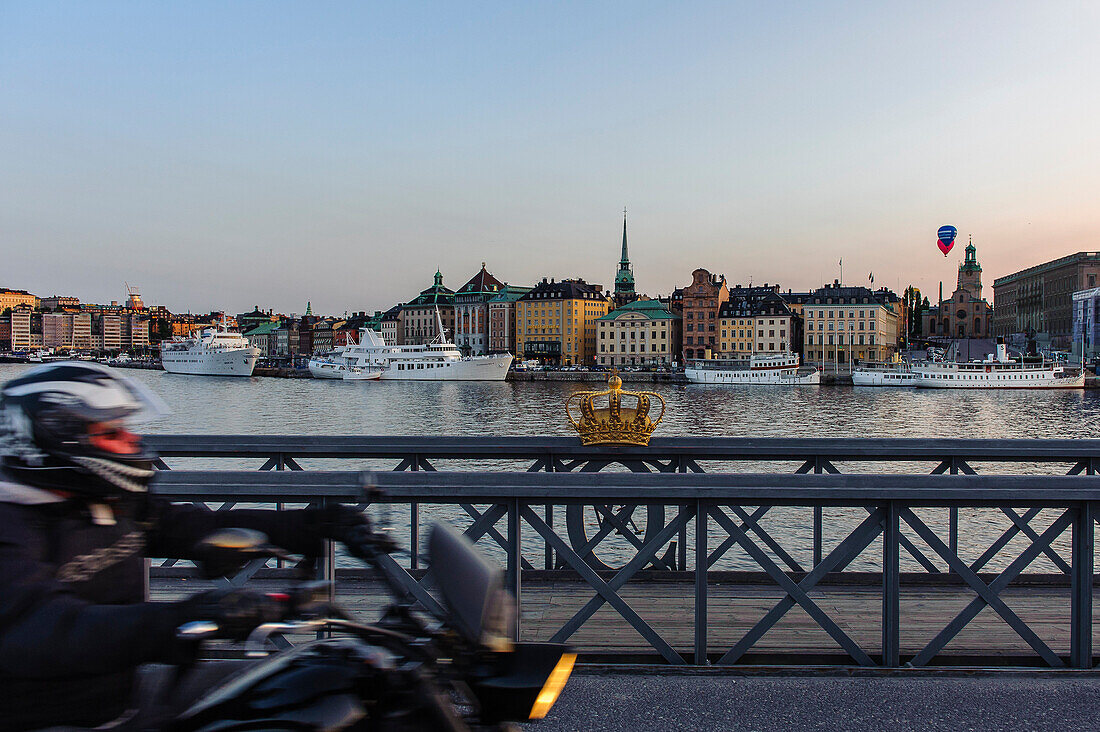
221	155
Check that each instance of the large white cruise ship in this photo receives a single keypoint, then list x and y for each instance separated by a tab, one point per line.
215	352
435	361
998	371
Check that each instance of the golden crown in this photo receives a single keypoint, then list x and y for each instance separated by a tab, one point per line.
603	419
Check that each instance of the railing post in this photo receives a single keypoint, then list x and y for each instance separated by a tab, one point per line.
414	524
515	559
701	553
548	551
818	469
1082	570
891	588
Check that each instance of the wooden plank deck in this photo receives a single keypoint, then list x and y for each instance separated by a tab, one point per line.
733	608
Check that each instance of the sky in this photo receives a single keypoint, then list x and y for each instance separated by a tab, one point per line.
224	155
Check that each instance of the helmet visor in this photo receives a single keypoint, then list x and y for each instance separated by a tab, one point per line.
89	392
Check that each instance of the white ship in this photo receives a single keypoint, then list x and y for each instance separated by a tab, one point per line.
899	373
998	371
435	361
215	352
781	368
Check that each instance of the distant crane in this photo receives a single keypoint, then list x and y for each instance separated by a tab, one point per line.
135	302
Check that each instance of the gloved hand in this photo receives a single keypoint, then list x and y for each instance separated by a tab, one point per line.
338	522
236	610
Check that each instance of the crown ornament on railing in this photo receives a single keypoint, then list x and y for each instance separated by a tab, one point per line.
602	418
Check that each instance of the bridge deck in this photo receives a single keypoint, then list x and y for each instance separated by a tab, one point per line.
733	608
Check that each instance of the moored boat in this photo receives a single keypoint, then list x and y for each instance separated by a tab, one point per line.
998	371
215	352
898	373
439	360
776	368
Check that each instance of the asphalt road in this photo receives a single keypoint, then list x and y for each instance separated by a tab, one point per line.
760	703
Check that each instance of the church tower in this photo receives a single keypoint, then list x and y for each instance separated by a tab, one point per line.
624	278
970	273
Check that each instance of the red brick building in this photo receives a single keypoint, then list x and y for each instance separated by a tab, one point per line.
701	302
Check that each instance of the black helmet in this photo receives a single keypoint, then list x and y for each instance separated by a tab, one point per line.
45	415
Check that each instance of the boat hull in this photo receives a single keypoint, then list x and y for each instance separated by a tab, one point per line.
223	363
778	378
327	370
883	378
1000	381
474	368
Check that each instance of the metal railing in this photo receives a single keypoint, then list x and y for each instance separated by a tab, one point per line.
536	479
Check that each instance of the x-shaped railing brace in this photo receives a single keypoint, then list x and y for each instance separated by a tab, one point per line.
607	592
751	522
987	594
840	557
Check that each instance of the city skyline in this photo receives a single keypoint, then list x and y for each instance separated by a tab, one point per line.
222	157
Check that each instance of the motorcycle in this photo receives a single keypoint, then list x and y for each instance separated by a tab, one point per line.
453	667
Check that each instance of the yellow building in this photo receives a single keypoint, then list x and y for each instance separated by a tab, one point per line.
756	320
846	323
12	298
641	333
556	322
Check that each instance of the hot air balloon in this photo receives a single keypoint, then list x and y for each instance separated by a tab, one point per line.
946	238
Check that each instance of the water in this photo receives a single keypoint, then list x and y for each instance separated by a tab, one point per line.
300	406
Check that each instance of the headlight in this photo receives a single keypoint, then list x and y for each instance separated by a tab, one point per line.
553	686
523	684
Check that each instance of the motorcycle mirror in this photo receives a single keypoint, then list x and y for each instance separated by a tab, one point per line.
227	551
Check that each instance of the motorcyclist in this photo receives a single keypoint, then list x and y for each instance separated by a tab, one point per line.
75	524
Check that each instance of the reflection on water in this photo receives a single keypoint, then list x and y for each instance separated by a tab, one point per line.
301	406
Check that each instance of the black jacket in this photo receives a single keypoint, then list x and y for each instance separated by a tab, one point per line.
73	623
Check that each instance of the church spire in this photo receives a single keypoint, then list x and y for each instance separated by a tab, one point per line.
624	278
625	260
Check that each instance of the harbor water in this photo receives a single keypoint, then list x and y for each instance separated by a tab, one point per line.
221	405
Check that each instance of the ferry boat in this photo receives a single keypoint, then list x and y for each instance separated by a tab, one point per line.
897	373
778	368
439	360
215	352
998	371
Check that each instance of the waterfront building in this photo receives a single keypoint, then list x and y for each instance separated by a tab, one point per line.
248	321
418	317
135	331
502	319
757	320
624	277
287	337
321	335
68	331
22	329
700	304
1039	300
106	332
966	314
60	302
844	323
1086	323
391	320
556	322
640	333
263	337
14	298
471	313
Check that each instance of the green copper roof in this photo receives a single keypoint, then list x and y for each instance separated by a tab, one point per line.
263	329
651	309
510	293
